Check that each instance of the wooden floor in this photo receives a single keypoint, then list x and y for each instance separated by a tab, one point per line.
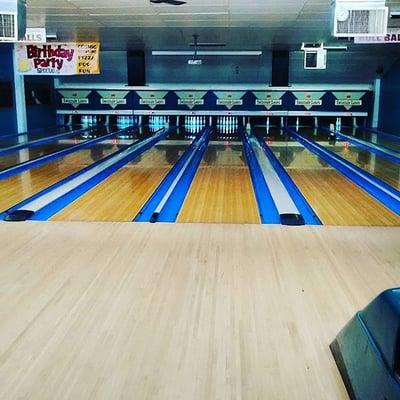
17	188
384	169
123	194
222	191
338	201
182	311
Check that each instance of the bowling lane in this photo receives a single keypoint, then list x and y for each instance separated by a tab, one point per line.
123	194
222	191
374	138
378	166
32	153
8	141
19	187
335	199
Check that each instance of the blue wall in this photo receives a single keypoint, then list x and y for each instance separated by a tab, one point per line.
389	118
341	69
41	115
38	116
113	69
8	122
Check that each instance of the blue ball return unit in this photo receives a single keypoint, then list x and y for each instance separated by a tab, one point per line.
367	350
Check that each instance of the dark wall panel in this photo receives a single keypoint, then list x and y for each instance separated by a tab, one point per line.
7	112
280	68
136	66
40	103
389	118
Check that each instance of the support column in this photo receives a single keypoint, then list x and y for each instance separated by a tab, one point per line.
19	97
377	99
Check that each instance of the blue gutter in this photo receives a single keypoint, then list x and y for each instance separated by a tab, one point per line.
371	147
37	162
167	200
308	214
390	136
266	206
51	209
386	194
32	132
39	142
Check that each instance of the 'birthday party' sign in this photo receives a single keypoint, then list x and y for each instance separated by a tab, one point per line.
58	59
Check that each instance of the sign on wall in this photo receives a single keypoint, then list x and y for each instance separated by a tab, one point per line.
58	59
392	36
229	99
35	35
204	101
269	99
152	98
349	100
113	98
75	98
309	99
191	99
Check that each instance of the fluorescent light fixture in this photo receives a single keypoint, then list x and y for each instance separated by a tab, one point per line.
336	48
208	44
395	14
205	53
163	14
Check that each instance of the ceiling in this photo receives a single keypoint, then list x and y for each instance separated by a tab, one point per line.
242	24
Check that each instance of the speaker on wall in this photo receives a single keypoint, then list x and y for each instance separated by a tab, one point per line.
136	68
280	68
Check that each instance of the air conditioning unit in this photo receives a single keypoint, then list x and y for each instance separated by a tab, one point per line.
12	20
359	18
315	55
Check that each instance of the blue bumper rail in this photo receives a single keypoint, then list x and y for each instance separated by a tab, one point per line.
167	200
48	202
386	194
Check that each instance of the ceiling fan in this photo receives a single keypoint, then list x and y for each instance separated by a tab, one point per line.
170	2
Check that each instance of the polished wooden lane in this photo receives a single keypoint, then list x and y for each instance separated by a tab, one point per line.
386	170
334	198
31	153
222	191
380	140
123	194
7	141
19	187
182	311
337	201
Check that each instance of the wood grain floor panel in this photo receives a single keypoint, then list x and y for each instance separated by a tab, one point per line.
182	311
121	196
17	188
222	191
338	201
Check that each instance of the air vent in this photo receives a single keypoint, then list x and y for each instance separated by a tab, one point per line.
12	20
8	28
352	19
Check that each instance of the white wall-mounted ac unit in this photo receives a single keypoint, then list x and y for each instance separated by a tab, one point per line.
315	55
12	20
315	59
359	18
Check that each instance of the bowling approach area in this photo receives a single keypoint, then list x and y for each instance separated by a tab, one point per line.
199	200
